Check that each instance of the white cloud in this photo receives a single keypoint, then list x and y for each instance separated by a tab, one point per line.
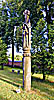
44	13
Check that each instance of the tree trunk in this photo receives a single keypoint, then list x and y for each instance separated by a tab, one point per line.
2	67
12	52
43	76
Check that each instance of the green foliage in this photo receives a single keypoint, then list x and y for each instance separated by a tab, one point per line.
16	57
9	18
43	54
3	51
39	44
43	47
51	46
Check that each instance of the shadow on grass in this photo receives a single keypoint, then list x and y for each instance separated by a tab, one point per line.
42	81
11	76
12	83
9	82
14	91
43	86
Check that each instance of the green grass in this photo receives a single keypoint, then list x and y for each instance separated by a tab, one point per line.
9	82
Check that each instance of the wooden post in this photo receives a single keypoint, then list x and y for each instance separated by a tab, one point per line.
26	51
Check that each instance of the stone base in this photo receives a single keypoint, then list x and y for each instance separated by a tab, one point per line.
27	73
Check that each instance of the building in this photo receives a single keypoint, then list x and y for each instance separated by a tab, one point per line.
16	63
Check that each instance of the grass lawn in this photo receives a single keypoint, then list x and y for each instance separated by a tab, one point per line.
10	82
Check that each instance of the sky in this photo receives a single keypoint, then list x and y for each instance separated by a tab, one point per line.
15	51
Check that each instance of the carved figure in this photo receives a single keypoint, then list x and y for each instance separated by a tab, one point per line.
26	28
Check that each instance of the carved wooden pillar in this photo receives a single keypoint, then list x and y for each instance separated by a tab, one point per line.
26	51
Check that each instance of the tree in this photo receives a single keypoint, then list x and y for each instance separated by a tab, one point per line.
39	46
51	47
3	53
43	47
9	19
13	14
